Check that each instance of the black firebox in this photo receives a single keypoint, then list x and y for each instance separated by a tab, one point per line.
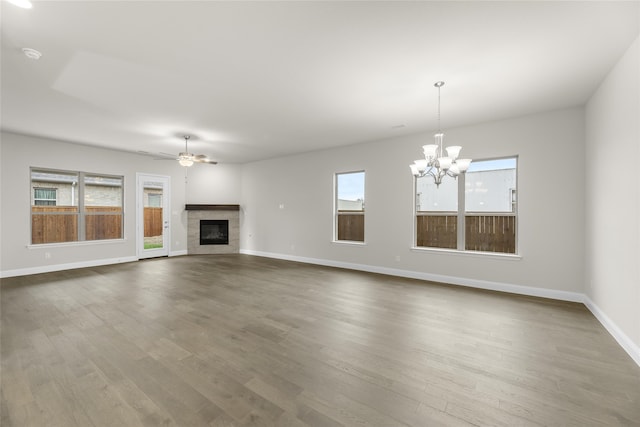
214	232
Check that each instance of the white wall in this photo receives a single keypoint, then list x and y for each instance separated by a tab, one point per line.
213	184
19	153
612	196
551	201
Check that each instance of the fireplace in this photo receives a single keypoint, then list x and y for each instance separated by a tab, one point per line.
214	232
213	222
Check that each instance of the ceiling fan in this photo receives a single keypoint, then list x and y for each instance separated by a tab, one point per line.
187	159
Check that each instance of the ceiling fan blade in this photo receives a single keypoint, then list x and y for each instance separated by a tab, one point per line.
164	156
201	158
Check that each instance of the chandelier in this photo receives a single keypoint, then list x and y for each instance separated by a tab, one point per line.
435	164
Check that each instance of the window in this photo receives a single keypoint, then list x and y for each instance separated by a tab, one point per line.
44	196
75	206
102	207
490	202
349	206
476	212
437	213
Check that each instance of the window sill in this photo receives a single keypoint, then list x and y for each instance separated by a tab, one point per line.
68	244
349	242
497	255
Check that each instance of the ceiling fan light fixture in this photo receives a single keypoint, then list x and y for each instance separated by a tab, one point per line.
185	159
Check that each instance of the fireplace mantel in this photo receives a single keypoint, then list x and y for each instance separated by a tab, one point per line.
212	207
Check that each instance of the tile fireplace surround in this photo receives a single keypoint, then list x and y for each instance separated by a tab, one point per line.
211	212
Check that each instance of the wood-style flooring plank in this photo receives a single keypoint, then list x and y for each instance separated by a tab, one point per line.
239	341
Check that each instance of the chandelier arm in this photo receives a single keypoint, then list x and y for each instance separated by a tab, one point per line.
434	173
438	180
431	172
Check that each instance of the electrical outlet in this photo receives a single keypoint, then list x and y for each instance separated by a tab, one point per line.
47	255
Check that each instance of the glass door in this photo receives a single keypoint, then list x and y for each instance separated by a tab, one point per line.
153	225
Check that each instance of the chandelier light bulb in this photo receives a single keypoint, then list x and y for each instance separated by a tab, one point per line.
453	151
463	164
430	151
444	163
421	164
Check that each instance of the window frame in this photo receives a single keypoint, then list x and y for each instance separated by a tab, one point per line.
81	213
336	213
462	213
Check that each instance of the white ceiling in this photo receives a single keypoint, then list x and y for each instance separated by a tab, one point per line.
253	80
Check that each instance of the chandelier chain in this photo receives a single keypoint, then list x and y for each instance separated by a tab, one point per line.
439	127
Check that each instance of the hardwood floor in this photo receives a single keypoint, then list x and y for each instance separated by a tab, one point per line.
235	340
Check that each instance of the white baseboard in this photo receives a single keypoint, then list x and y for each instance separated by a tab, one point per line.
623	339
60	267
70	266
625	342
473	283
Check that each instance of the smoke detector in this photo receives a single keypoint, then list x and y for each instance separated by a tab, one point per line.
31	53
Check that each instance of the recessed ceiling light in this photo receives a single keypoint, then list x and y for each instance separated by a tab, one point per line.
25	4
31	53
